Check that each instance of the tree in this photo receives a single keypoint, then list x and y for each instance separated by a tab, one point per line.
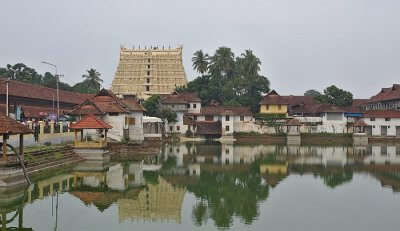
313	93
92	79
153	108
200	62
152	105
336	96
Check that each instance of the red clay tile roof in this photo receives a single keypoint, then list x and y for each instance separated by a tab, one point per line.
317	108
86	108
133	104
208	127
359	102
27	90
225	110
106	102
274	98
11	126
382	114
385	94
90	122
181	98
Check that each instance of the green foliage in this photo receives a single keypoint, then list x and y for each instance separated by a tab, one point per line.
153	108
151	177
332	95
227	195
20	72
152	105
228	79
313	93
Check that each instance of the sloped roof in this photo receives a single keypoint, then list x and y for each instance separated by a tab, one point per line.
208	127
225	110
86	108
390	93
106	102
90	122
33	91
11	126
273	98
133	104
181	98
382	114
317	108
359	102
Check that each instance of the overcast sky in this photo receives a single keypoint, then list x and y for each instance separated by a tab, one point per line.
303	44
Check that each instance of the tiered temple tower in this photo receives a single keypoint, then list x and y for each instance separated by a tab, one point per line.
149	71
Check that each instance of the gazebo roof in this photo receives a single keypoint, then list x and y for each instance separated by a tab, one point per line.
11	126
90	122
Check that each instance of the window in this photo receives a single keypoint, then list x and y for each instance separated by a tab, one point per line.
148	60
372	119
148	80
147	88
279	107
148	66
227	151
226	118
148	73
209	118
178	128
187	105
195	117
194	105
387	119
171	128
227	128
113	114
241	118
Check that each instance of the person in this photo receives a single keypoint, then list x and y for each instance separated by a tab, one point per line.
36	131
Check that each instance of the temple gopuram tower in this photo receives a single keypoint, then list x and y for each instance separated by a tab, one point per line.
149	71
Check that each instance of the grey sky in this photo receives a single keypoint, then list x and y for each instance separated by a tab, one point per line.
303	44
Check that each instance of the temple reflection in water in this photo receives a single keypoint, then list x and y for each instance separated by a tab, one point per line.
227	180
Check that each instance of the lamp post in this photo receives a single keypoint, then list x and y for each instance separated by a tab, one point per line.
58	96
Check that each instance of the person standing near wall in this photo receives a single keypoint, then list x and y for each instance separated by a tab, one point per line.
36	131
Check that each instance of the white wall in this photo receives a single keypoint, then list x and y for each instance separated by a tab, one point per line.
379	122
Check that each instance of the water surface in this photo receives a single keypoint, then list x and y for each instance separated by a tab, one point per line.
214	186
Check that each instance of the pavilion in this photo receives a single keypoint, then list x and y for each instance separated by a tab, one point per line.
95	147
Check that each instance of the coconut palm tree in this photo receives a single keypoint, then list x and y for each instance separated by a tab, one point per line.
93	78
200	62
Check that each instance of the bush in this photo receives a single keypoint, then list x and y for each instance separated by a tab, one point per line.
47	144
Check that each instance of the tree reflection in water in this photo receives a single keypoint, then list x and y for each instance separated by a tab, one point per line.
223	195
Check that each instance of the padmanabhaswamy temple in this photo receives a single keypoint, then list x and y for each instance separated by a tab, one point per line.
149	71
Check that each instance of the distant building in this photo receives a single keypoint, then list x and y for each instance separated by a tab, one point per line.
275	104
37	102
210	120
125	115
382	123
149	71
386	99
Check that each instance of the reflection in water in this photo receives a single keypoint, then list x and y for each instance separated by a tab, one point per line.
229	182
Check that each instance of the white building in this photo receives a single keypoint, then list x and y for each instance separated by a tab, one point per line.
382	123
125	115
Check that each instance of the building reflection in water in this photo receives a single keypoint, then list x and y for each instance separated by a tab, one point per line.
227	180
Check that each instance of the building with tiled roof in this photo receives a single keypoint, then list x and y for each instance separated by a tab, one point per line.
386	99
273	103
37	101
125	115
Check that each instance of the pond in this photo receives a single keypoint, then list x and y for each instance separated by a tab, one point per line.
212	186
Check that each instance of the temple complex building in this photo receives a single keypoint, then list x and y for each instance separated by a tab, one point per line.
144	72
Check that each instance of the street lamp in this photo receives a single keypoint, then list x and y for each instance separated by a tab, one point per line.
58	95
